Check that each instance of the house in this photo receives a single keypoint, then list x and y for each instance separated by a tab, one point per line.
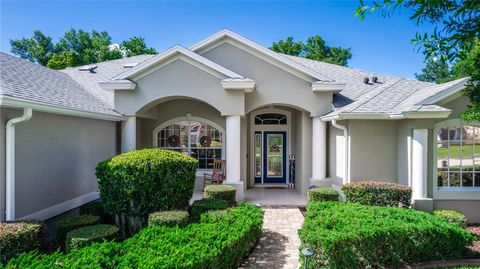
227	97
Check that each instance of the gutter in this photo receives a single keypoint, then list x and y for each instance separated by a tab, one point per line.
346	177
10	162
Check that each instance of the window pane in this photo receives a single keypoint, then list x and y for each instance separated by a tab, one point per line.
454	179
271	118
442	179
467	179
467	156
275	155
258	155
442	134
477	179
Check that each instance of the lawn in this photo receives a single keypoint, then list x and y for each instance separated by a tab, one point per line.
466	150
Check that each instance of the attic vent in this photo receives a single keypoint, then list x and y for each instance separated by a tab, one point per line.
366	80
130	65
375	79
90	68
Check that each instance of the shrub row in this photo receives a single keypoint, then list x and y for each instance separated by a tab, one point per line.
85	236
204	205
220	240
96	208
378	193
62	227
451	216
172	218
222	192
323	194
347	235
136	183
19	236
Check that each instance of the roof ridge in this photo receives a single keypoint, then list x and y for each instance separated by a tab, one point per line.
374	93
109	61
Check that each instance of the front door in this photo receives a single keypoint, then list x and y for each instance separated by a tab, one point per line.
270	157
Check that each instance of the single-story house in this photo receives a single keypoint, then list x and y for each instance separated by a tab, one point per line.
275	119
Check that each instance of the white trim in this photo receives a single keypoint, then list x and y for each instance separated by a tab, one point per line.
246	85
458	86
278	59
346	145
123	84
175	52
321	86
387	116
38	106
61	208
419	163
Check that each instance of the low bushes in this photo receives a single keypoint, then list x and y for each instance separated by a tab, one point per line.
323	194
85	236
201	206
220	240
378	193
451	216
136	183
95	208
19	236
62	227
347	235
222	192
168	218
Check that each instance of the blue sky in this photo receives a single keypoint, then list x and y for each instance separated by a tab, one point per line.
378	44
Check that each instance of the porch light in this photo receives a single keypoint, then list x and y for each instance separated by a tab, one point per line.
307	252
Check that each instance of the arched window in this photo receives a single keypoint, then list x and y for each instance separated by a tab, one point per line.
458	155
271	118
198	138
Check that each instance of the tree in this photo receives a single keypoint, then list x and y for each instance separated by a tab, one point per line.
315	49
63	60
456	35
435	70
136	46
38	48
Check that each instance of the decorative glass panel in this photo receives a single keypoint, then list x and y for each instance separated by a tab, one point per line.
258	155
271	118
275	155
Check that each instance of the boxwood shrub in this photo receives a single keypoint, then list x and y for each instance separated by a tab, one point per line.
451	216
323	194
204	205
220	240
222	192
378	193
168	218
19	236
96	208
62	227
348	235
85	236
134	184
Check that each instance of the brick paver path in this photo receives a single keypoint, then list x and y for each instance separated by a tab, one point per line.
278	247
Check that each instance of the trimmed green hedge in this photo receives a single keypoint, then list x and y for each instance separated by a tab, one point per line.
378	193
220	240
222	192
204	205
62	227
451	216
19	236
323	194
136	183
168	218
96	208
85	236
347	235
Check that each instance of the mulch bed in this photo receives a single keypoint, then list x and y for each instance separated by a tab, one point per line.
475	248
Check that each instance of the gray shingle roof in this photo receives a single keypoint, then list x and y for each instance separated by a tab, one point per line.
32	82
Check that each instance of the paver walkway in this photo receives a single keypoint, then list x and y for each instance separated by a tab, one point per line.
278	247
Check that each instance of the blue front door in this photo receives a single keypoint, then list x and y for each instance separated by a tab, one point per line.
274	157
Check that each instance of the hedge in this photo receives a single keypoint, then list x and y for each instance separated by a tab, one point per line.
323	194
168	218
378	193
62	227
134	184
220	240
348	235
222	192
19	236
451	216
96	208
204	205
85	236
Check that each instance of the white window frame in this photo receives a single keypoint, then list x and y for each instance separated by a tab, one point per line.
451	193
190	118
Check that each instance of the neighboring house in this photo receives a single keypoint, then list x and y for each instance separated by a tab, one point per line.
227	97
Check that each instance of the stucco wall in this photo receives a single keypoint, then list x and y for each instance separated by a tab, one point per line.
56	158
335	154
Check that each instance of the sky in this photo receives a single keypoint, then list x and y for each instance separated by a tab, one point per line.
378	44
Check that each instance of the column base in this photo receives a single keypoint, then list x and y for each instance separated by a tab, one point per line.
423	204
324	182
239	187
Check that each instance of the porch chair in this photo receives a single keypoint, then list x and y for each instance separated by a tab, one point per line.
218	174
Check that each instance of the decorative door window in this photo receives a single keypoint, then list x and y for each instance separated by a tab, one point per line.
271	118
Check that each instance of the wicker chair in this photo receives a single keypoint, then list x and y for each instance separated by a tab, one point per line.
218	174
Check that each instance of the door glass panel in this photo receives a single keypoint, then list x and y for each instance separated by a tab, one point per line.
275	155
258	155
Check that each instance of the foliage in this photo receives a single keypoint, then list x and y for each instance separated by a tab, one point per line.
62	227
451	216
170	218
96	208
134	184
136	46
314	48
219	241
378	193
85	236
38	48
436	71
19	236
322	194
346	235
222	192
204	205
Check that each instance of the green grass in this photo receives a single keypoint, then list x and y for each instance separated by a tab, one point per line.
459	267
467	150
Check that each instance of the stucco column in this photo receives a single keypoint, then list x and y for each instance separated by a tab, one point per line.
129	134
319	151
420	170
233	154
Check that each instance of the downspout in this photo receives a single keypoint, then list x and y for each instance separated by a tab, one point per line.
10	162
346	177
